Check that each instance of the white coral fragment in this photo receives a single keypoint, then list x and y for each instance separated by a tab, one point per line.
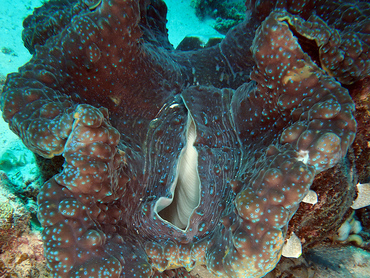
310	198
344	231
349	228
303	156
363	196
292	247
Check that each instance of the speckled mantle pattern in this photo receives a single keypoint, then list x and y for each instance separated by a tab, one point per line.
108	93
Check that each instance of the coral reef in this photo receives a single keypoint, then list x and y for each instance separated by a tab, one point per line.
227	13
324	262
318	224
173	159
336	190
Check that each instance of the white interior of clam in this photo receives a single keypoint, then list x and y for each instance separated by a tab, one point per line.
185	190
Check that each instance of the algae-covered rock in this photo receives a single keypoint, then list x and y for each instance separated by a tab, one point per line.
14	218
24	258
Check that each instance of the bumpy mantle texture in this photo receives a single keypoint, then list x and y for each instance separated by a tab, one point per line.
182	158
